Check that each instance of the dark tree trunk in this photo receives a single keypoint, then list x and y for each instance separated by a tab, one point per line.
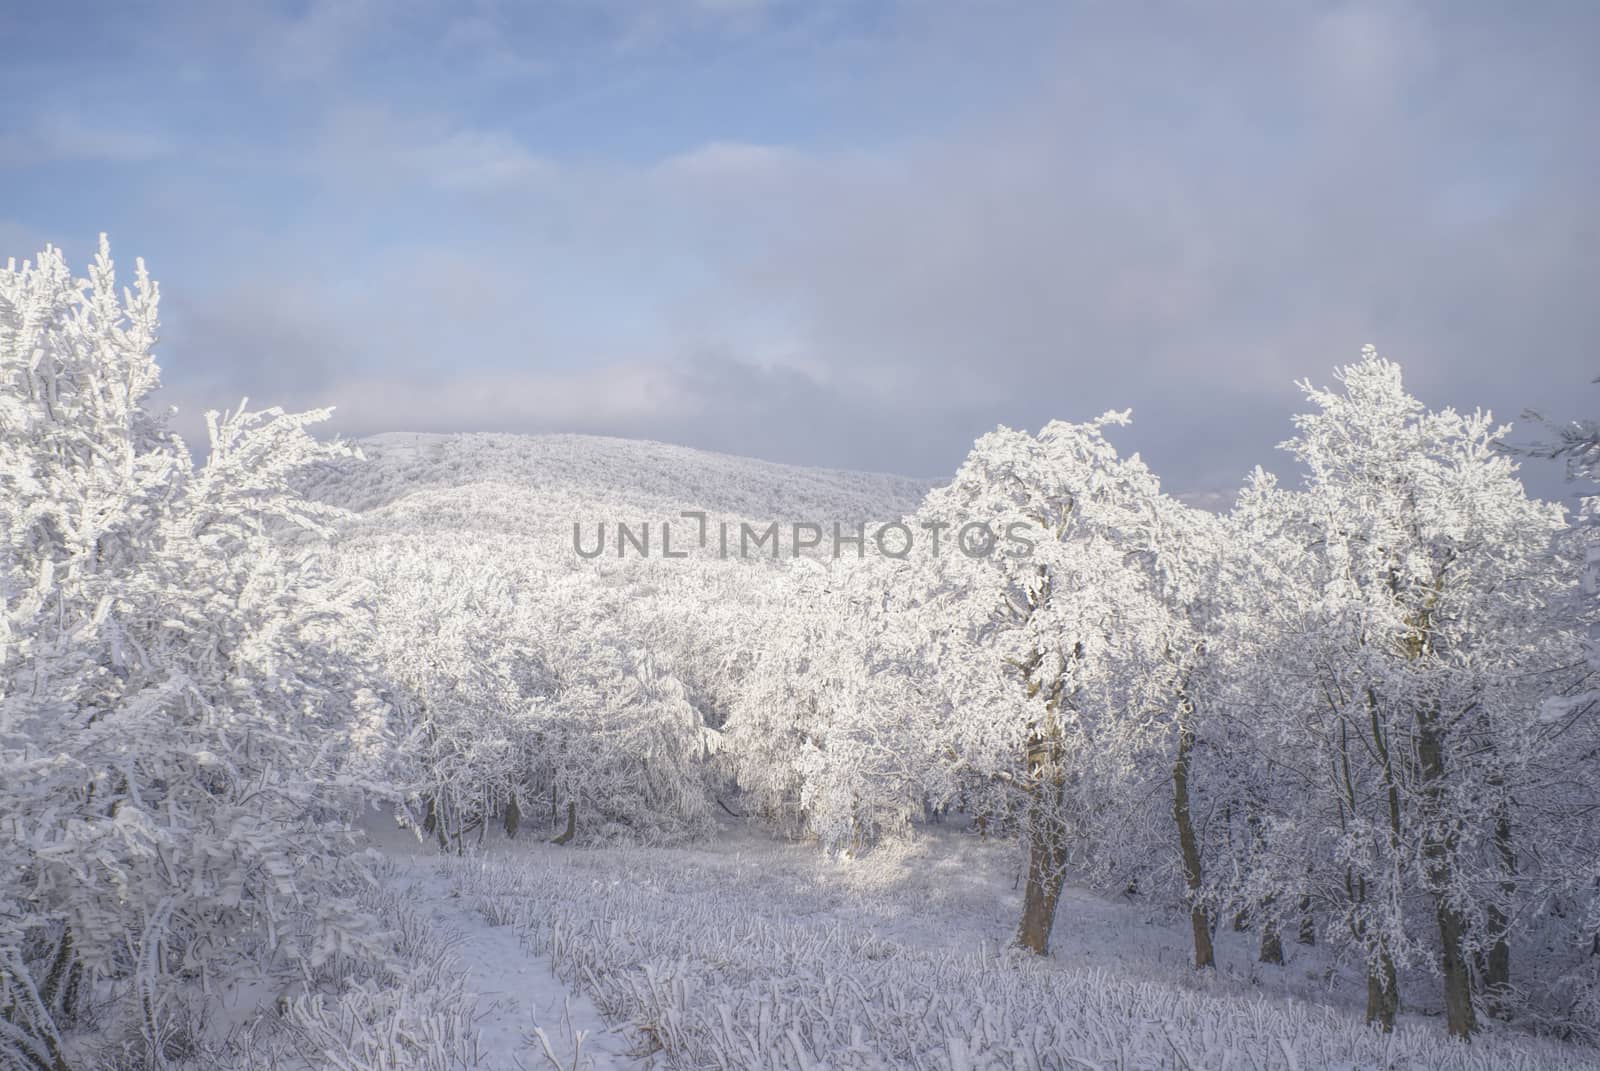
1189	847
1497	963
1271	944
1271	950
1439	851
513	817
1383	994
433	821
1460	1019
572	825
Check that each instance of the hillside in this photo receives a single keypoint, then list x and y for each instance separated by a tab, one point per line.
647	477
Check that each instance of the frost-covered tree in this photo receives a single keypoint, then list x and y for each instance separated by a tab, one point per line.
836	728
1071	686
176	701
525	686
1406	642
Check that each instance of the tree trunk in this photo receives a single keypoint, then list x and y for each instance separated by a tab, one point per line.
1047	835
1047	849
1438	850
572	825
1459	1017
433	821
1497	964
1383	994
1189	847
1308	922
1271	944
513	817
1271	950
1046	875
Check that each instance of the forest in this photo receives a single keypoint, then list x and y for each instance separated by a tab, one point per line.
1349	722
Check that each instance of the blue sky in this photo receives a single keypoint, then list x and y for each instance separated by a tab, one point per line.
854	234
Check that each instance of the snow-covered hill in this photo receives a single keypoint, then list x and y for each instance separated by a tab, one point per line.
624	473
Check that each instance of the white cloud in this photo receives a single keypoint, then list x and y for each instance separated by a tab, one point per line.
729	159
375	148
1183	217
597	400
55	138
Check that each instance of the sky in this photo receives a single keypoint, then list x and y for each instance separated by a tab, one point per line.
829	233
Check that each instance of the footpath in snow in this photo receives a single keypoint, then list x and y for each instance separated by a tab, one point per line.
518	994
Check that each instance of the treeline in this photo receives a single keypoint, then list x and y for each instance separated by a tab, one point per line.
1359	712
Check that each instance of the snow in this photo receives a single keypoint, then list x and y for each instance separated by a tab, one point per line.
515	991
623	473
748	953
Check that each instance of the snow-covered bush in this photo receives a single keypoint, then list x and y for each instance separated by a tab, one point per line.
404	1010
527	693
834	726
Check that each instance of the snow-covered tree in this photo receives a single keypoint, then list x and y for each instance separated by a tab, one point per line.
525	686
837	726
177	707
1407	642
1071	684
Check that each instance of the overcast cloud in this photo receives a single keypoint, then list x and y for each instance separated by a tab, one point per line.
829	233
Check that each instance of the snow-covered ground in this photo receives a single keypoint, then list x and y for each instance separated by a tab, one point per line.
747	953
516	993
568	470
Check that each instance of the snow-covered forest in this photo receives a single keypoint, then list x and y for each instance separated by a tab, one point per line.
323	754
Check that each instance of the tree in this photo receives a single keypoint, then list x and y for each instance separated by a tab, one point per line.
1410	643
1073	675
177	703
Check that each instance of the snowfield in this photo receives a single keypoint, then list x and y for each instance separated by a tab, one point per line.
629	477
747	955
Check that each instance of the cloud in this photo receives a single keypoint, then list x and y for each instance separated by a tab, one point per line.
489	45
1153	227
719	160
67	138
596	400
373	148
601	400
817	236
